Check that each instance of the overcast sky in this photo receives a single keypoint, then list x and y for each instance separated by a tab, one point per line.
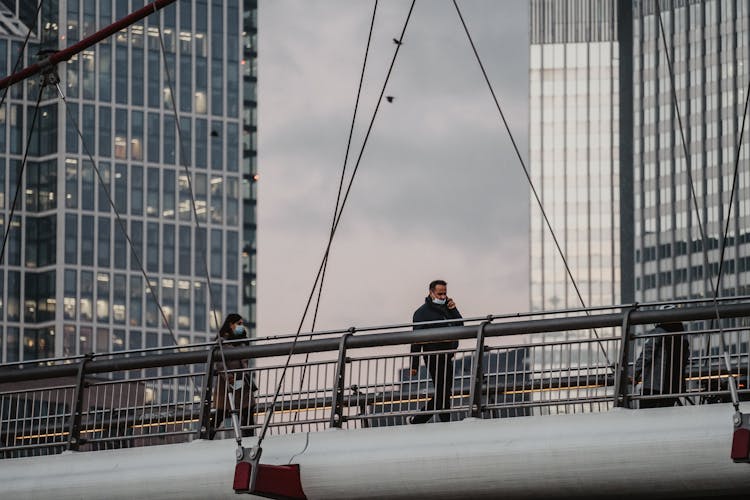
439	193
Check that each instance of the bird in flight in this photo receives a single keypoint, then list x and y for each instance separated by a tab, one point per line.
397	41
389	98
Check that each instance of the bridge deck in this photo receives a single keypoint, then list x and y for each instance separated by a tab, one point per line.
540	365
675	452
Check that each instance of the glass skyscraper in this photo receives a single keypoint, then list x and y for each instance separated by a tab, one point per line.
676	162
575	169
707	43
574	152
69	282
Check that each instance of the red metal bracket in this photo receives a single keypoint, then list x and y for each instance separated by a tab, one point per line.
741	438
281	482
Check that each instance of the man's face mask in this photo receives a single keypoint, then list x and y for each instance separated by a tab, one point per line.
437	301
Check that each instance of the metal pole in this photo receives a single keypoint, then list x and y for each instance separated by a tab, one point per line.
74	436
337	408
204	424
67	53
730	378
477	374
620	397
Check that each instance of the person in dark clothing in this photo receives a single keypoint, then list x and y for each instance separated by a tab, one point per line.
437	306
661	364
232	383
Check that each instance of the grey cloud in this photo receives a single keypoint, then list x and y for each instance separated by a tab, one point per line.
440	189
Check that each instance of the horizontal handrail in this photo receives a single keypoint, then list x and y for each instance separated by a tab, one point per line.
534	326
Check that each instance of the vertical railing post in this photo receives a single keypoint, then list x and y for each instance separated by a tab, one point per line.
74	427
204	422
620	398
337	406
477	373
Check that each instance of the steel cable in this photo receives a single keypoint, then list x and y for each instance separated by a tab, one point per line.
19	181
118	217
717	286
340	189
2	103
212	302
183	163
688	167
526	173
21	52
333	232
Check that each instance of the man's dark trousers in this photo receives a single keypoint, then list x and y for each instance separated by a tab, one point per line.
440	367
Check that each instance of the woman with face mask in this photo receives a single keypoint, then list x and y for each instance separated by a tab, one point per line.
233	381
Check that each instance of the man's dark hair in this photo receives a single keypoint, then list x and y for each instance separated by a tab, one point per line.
435	283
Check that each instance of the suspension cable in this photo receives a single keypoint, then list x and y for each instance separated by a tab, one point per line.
19	181
184	163
688	166
34	69
269	414
346	158
212	302
528	177
119	219
340	189
717	286
735	177
23	49
68	52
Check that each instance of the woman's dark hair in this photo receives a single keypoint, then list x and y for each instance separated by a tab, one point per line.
226	328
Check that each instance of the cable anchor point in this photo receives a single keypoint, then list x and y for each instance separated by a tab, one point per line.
49	70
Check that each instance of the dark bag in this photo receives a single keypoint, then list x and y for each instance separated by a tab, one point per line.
250	382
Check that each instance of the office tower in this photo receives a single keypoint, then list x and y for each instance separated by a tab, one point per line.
574	153
575	166
707	46
70	282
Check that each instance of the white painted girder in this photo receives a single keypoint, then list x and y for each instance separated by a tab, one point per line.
680	452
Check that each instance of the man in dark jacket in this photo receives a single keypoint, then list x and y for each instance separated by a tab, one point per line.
437	306
662	365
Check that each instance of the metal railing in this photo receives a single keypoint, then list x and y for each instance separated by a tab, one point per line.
568	362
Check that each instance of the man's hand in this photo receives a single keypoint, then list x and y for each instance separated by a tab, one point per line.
450	303
413	372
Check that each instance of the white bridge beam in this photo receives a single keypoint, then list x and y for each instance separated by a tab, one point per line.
655	453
